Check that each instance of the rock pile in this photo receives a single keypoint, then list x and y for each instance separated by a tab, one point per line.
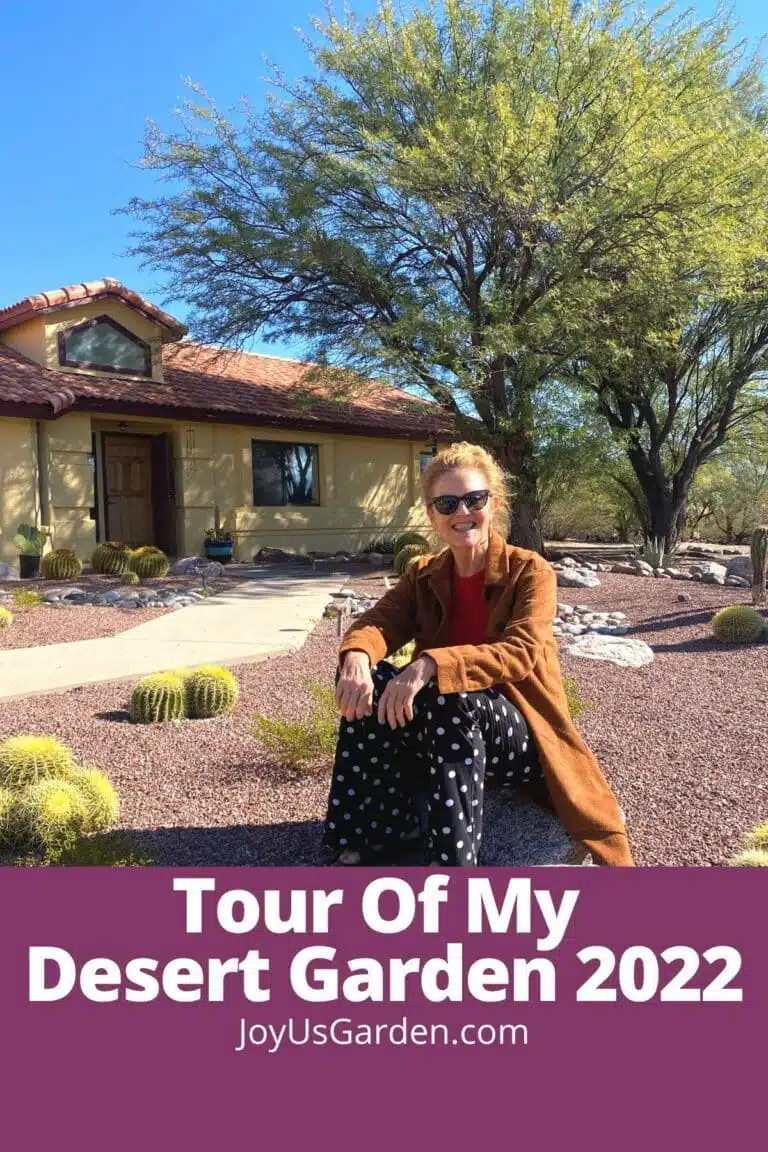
128	598
575	621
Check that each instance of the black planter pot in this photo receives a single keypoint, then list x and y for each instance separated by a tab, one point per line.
29	567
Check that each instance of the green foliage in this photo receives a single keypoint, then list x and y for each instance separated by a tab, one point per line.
61	564
8	799
211	692
407	538
100	800
158	698
148	563
750	858
576	705
111	558
383	544
25	760
406	555
758	837
738	624
111	850
6	619
655	553
297	743
24	598
130	578
403	657
30	540
759	555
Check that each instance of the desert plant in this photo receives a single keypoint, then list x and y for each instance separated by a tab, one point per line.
577	706
99	798
211	692
104	850
22	598
30	541
737	624
406	556
759	554
49	814
61	564
129	578
111	558
25	760
7	802
402	658
6	619
384	544
750	858
297	742
758	837
149	562
158	698
653	553
406	538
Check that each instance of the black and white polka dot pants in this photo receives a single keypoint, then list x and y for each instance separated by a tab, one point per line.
455	744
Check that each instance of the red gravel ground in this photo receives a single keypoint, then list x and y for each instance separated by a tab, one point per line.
33	627
679	741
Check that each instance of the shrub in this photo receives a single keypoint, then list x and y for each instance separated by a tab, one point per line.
653	553
750	858
406	556
576	705
402	658
758	837
111	558
6	619
211	692
738	624
149	563
61	564
24	599
296	742
406	538
113	850
99	797
26	760
158	698
130	578
385	545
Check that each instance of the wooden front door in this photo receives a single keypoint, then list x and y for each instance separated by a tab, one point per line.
128	489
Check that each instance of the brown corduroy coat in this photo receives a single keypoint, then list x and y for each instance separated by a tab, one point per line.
520	658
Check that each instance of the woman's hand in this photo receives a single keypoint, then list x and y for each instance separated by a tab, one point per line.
354	689
396	703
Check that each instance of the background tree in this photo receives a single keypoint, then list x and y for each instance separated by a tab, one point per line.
730	493
454	193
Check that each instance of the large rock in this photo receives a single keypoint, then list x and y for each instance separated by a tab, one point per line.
709	568
198	566
8	572
619	650
624	568
740	566
577	578
642	568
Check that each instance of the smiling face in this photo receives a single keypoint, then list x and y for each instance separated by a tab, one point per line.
462	529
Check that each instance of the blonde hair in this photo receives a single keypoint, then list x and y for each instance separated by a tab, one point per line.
466	455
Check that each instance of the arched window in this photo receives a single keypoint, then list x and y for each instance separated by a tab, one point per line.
105	346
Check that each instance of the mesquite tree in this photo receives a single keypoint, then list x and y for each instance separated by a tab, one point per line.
451	193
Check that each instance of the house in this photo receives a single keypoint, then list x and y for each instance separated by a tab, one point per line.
115	427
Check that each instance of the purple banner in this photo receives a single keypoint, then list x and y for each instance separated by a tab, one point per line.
189	1009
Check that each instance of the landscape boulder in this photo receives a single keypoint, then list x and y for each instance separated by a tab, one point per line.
619	650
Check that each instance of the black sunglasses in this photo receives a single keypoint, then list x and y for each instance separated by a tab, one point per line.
447	505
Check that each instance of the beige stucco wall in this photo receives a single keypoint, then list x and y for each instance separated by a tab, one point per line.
18	482
28	339
128	317
368	485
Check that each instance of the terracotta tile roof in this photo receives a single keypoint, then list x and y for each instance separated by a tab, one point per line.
76	294
201	383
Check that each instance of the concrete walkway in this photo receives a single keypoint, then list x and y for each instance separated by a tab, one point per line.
268	615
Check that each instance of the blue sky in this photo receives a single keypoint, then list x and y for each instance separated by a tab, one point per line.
78	82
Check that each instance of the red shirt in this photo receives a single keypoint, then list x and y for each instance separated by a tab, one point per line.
468	616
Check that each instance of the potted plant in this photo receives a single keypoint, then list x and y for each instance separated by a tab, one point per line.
218	543
30	542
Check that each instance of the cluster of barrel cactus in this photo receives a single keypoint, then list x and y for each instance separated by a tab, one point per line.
738	624
111	558
184	693
60	564
47	801
148	562
754	853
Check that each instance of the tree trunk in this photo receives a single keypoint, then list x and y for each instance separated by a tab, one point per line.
516	456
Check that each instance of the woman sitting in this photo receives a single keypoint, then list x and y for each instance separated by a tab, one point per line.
482	700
